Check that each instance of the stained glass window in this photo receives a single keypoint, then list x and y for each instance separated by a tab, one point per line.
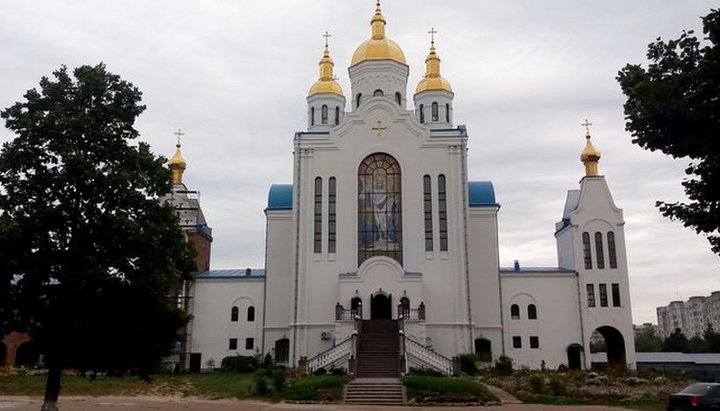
379	208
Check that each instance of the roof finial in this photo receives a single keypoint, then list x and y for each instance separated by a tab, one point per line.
378	23
179	134
327	37
590	156
177	163
587	125
432	32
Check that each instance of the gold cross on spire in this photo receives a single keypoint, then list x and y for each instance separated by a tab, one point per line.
327	36
587	125
432	33
179	134
379	128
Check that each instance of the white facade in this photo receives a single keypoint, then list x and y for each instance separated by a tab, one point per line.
380	209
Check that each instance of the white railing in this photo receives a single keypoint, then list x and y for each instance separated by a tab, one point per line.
426	357
330	357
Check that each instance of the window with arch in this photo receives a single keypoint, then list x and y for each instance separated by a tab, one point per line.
405	307
442	213
251	314
532	312
515	312
599	254
378	93
337	115
427	204
312	116
379	208
434	111
612	255
332	214
358	99
356	306
398	98
586	250
324	114
234	314
447	112
603	295
422	114
317	220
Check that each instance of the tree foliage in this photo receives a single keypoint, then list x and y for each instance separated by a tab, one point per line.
89	255
674	106
677	341
647	341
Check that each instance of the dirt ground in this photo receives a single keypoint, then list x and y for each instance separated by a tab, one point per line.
198	404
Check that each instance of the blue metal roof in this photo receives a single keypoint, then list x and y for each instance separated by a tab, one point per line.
481	193
280	197
234	274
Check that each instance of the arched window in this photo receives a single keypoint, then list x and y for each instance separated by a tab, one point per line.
599	250
532	312
427	204
515	312
586	250
434	110
251	313
378	93
312	116
317	220
612	255
422	114
405	307
234	313
332	214
442	213
324	114
356	306
398	98
447	112
379	208
337	115
358	98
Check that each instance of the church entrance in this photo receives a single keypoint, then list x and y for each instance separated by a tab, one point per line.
381	307
573	353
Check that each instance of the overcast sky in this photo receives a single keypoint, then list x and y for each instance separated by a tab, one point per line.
234	76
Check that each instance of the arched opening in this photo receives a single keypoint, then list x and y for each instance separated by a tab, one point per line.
312	116
398	98
358	99
282	350
447	112
378	93
483	349
573	353
422	114
324	114
380	307
356	306
3	353
434	111
251	313
515	312
234	314
28	353
404	307
609	340
337	115
532	312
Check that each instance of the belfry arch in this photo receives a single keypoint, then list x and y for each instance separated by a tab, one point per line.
615	344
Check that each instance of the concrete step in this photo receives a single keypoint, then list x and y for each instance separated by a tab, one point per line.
375	391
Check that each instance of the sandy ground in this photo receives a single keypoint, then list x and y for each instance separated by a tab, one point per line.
198	404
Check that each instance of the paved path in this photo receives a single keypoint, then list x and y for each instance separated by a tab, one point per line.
197	404
504	396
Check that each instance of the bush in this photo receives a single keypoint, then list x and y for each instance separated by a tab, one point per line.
267	361
468	364
308	389
425	371
320	371
239	363
337	371
557	386
504	365
537	384
279	380
260	385
448	388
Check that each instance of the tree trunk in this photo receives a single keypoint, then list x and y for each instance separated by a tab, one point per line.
52	388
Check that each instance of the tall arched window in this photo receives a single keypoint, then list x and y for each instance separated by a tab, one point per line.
515	312
612	255
447	112
434	110
405	307
379	208
337	115
586	250
324	114
312	116
442	213
332	214
317	220
422	114
378	93
427	204
398	98
251	313
234	313
532	312
599	255
358	98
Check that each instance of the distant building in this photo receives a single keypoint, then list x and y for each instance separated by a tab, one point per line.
692	317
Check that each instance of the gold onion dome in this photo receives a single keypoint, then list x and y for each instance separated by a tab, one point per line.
378	47
590	157
177	164
326	82
432	79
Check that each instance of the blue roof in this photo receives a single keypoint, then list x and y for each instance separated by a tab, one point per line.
481	193
280	197
235	274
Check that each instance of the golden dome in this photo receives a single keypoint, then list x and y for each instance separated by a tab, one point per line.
177	164
432	79
378	47
326	82
590	157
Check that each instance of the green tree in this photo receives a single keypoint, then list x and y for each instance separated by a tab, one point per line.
676	342
712	339
674	106
647	341
89	255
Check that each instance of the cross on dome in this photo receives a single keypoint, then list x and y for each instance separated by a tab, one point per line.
587	125
432	33
327	37
179	134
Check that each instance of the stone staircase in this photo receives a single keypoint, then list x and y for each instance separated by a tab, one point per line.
378	353
375	391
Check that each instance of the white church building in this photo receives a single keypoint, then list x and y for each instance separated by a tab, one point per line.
382	251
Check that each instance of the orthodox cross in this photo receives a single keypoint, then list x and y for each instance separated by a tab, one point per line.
327	36
179	134
379	128
587	125
432	33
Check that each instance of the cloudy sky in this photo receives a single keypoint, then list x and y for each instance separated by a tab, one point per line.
234	76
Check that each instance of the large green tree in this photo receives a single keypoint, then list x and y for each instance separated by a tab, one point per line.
89	254
673	106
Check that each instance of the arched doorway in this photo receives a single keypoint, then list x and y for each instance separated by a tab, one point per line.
3	353
574	356
614	346
28	353
483	349
356	306
380	307
282	350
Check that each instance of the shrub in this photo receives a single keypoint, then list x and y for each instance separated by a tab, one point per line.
504	365
557	386
320	371
337	371
308	389
267	361
468	364
444	388
239	363
537	384
279	380
260	385
425	371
